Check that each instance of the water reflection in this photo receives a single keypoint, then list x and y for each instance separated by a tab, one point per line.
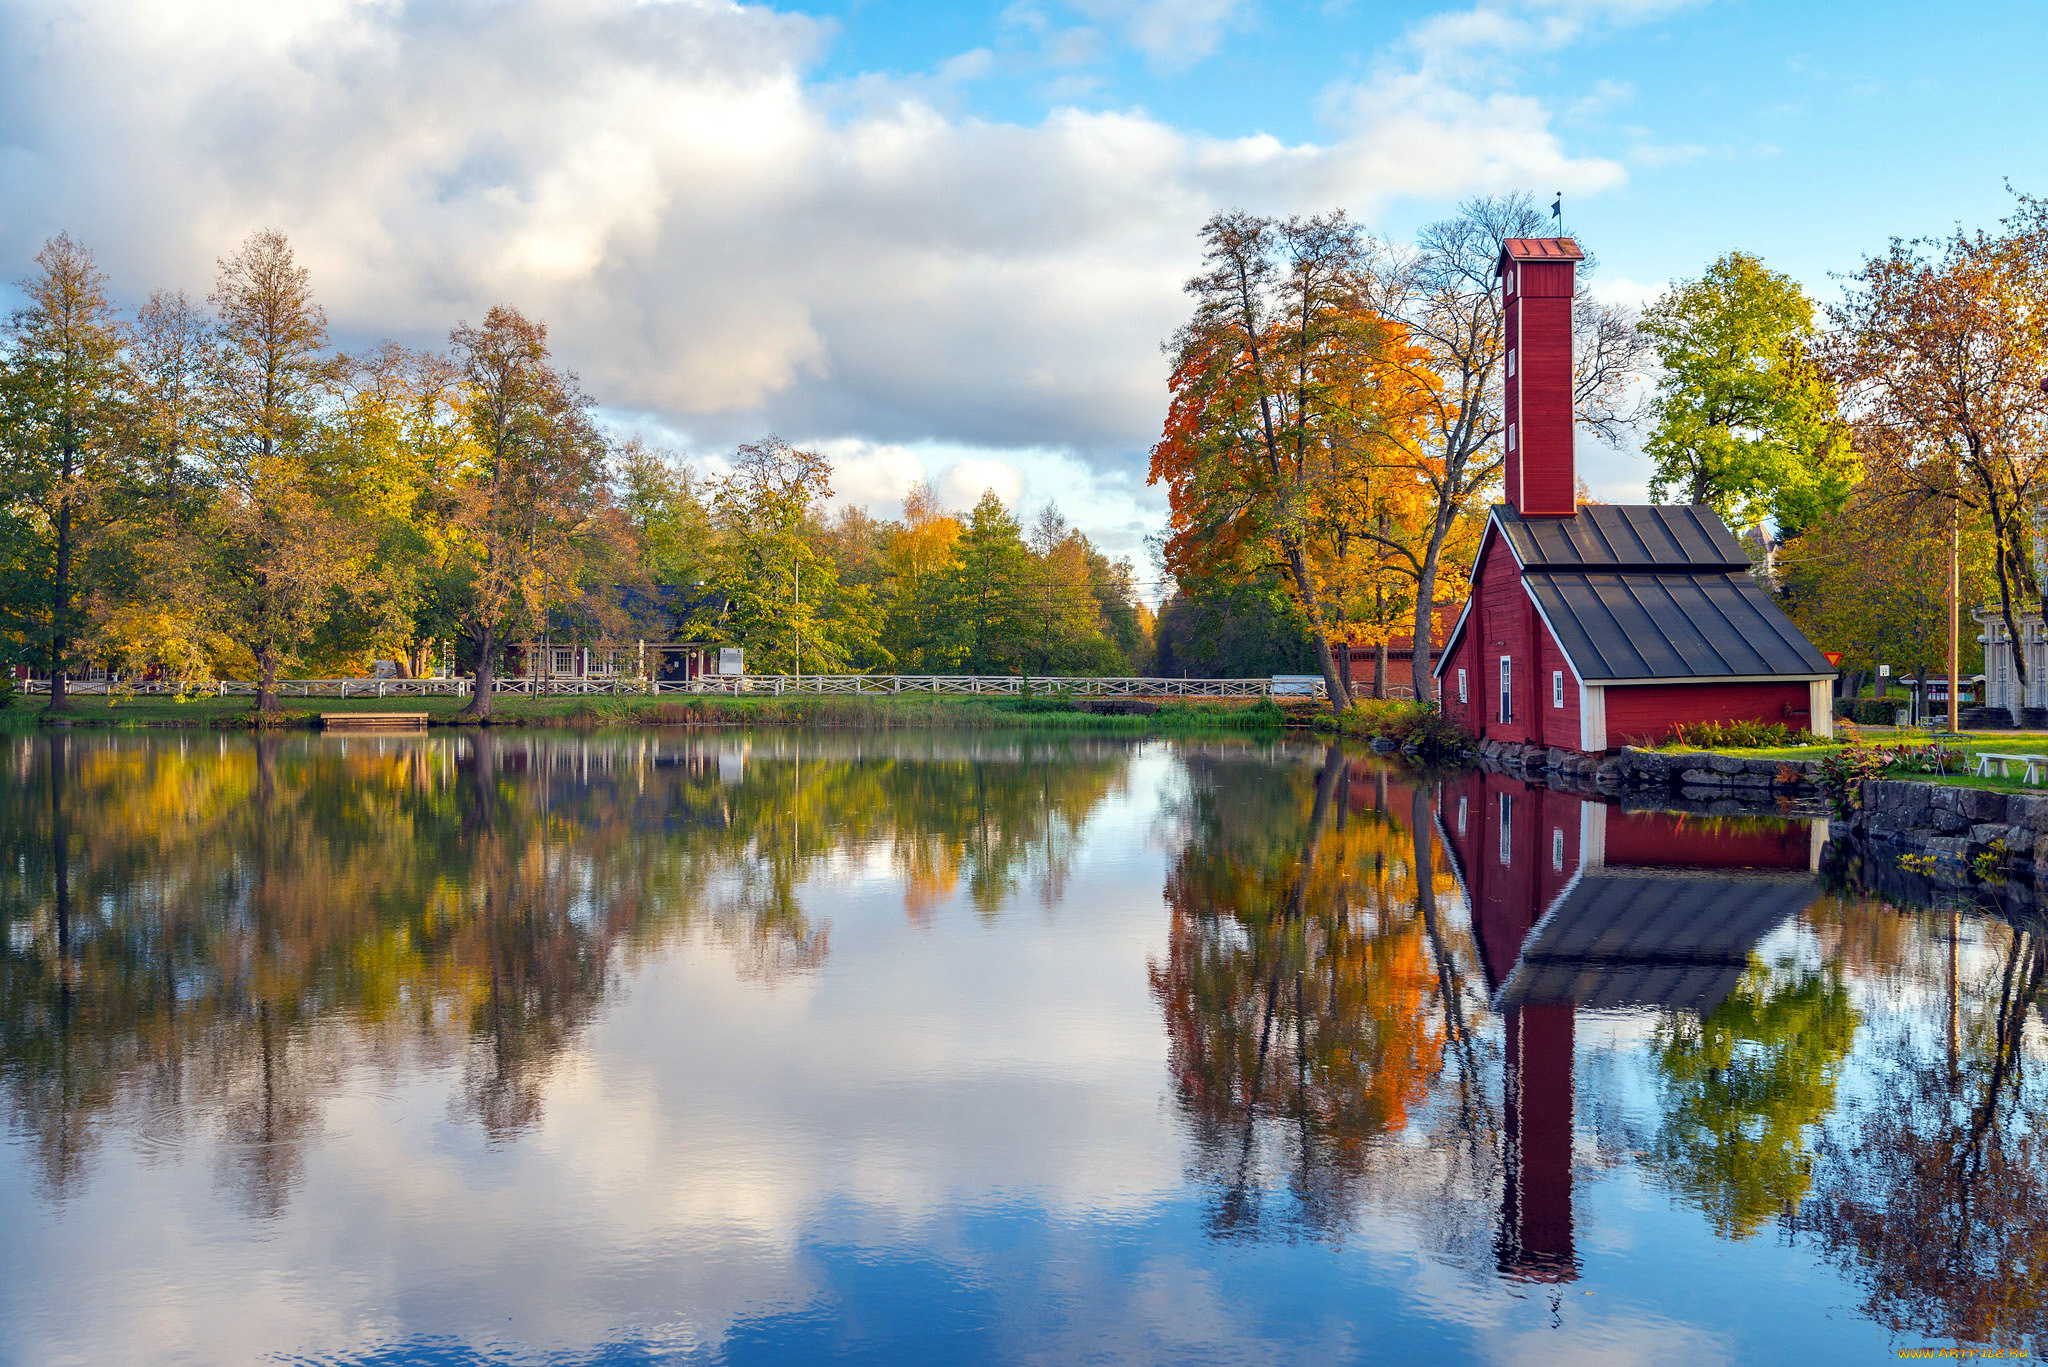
207	935
757	1047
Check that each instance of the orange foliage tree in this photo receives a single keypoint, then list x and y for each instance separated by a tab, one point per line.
1271	443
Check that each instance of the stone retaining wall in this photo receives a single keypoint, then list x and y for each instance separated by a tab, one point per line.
1696	775
1953	825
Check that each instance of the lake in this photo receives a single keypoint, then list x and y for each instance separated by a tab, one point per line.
769	1047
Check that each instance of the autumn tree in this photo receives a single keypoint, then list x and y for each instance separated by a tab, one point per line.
271	552
529	506
398	440
1068	601
1941	352
169	345
1246	450
921	546
1871	580
65	454
1746	417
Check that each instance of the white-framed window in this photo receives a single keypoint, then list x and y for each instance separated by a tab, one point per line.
1511	362
565	661
1557	849
1557	688
1511	436
1507	689
1461	816
1462	697
1507	828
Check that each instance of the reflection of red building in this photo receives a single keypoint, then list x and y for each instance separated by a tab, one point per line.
1578	904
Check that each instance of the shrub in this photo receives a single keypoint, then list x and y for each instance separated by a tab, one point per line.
1050	702
1841	774
1417	726
1741	735
1870	711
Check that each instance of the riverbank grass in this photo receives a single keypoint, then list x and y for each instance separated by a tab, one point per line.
875	713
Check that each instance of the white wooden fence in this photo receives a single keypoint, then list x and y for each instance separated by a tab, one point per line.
775	685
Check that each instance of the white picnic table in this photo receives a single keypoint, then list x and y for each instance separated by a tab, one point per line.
2033	765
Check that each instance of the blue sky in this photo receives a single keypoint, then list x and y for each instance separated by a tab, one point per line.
1807	132
945	241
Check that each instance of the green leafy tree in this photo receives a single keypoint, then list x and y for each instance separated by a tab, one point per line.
786	604
981	617
663	503
1746	419
138	626
64	452
1224	627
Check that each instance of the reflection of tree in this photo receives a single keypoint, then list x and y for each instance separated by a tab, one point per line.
1298	989
1932	1192
1744	1086
207	935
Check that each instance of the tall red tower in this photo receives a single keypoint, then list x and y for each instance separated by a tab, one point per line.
1537	277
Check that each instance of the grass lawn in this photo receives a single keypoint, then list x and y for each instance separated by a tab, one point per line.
629	710
1972	742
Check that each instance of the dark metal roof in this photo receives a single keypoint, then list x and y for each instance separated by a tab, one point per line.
1671	626
1637	937
1623	536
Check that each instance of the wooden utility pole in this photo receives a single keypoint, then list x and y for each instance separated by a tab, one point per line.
1955	616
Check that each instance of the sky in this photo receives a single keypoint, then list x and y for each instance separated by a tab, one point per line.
945	241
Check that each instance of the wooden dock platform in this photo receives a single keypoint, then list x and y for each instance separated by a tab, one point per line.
373	721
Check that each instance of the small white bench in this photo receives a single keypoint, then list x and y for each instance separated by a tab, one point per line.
2003	765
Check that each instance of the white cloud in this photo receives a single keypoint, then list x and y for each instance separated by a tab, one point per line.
1172	34
715	238
967	481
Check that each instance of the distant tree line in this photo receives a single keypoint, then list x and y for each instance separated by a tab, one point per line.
212	490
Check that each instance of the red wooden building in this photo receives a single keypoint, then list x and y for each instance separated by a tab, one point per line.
1360	664
1598	625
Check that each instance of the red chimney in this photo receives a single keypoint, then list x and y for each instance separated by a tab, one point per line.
1537	281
